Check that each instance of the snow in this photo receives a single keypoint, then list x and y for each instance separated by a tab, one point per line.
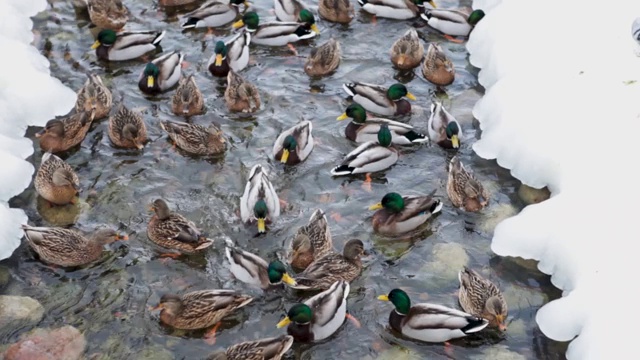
561	109
28	96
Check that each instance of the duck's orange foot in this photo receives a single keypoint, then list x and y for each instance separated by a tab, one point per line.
210	336
448	349
184	64
283	204
293	49
354	320
336	216
374	20
170	255
367	183
453	39
209	32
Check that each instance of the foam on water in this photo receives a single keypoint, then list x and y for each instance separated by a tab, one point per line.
562	109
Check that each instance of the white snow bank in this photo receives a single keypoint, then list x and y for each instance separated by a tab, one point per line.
562	109
28	96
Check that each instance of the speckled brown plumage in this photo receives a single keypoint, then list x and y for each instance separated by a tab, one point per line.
63	133
173	231
311	241
108	14
195	139
127	129
241	95
187	100
437	67
331	267
263	349
56	181
323	59
479	296
338	11
464	190
407	51
94	95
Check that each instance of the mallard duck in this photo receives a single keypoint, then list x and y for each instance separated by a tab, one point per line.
175	2
94	95
452	22
407	51
287	10
263	349
213	13
173	231
311	241
337	11
232	54
64	133
481	297
259	200
188	99
56	181
278	33
127	129
399	214
162	73
323	59
380	100
370	156
200	309
443	128
437	68
68	248
241	95
363	129
394	9
294	145
127	45
429	322
195	139
464	190
326	270
252	269
320	316
108	14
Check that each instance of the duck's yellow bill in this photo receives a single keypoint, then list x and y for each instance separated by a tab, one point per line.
150	208
410	96
285	156
122	237
432	3
344	116
377	206
95	45
238	24
150	81
218	59
288	279
247	4
286	321
315	29
455	141
383	298
261	226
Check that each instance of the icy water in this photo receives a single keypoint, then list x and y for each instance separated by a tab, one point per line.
109	301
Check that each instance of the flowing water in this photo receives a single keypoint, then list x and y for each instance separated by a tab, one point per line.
109	300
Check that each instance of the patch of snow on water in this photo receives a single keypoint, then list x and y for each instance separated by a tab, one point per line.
28	96
562	109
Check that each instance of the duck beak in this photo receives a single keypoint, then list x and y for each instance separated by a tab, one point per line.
247	4
411	97
150	208
261	226
122	237
377	206
288	279
41	132
285	156
383	298
150	81
401	59
315	29
218	59
238	24
138	145
501	325
342	117
432	3
95	45
286	321
158	307
455	142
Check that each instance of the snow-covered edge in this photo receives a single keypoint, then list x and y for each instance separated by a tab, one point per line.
28	96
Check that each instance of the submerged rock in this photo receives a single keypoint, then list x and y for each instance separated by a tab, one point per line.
5	276
19	311
531	195
499	352
398	353
65	343
448	259
495	214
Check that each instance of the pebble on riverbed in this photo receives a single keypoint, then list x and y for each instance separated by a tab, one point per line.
447	261
398	353
19	311
494	215
531	195
46	344
499	352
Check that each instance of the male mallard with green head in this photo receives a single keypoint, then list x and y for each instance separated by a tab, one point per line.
443	128
399	214
394	9
162	73
279	33
452	22
380	100
259	202
232	54
294	145
254	270
213	13
126	45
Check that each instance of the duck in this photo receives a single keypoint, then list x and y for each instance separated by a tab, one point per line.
464	190
200	309
363	129
69	248
232	54
254	270
259	202
195	139
397	214
328	269
380	100
162	73
443	128
94	95
168	3
429	322
61	134
127	129
213	13
272	348
407	52
127	45
324	59
482	298
188	99
294	145
370	156
437	68
394	9
173	231
108	14
452	22
288	10
241	95
337	11
278	33
310	241
319	316
56	181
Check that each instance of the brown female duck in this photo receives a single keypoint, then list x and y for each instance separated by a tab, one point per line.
188	99
263	349
311	241
127	129
195	139
173	231
337	11
56	181
108	14
323	59
64	133
437	67
481	297
464	190
94	95
241	95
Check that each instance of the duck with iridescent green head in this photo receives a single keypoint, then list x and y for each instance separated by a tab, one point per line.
232	54
295	144
277	33
395	9
162	73
254	270
399	214
214	13
443	128
452	22
380	100
128	45
259	202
